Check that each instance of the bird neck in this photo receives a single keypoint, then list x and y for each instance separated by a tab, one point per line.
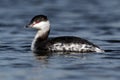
43	35
39	38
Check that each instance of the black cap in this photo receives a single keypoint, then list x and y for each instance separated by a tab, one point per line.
37	18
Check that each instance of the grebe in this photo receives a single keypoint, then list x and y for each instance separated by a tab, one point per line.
41	41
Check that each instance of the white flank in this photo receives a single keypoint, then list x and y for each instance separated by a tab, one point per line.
99	50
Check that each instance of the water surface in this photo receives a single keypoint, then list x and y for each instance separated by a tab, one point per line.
95	20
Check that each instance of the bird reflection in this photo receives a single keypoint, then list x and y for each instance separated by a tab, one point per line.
46	55
43	57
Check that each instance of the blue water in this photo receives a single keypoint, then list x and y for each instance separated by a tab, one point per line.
95	20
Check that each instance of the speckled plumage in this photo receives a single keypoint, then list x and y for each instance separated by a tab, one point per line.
65	44
41	41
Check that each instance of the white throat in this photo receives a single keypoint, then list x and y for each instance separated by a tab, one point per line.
43	30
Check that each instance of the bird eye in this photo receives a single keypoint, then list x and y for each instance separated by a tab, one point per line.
37	21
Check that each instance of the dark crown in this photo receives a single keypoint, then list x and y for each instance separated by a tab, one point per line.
39	18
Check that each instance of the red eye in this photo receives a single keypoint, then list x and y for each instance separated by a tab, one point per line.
37	21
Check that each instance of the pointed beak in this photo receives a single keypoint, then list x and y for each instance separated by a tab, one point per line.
28	26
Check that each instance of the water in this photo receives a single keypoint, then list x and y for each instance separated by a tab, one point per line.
95	20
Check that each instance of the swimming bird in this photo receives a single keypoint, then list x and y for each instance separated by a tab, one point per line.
41	42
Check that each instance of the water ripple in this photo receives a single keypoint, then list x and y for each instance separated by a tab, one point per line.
95	20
